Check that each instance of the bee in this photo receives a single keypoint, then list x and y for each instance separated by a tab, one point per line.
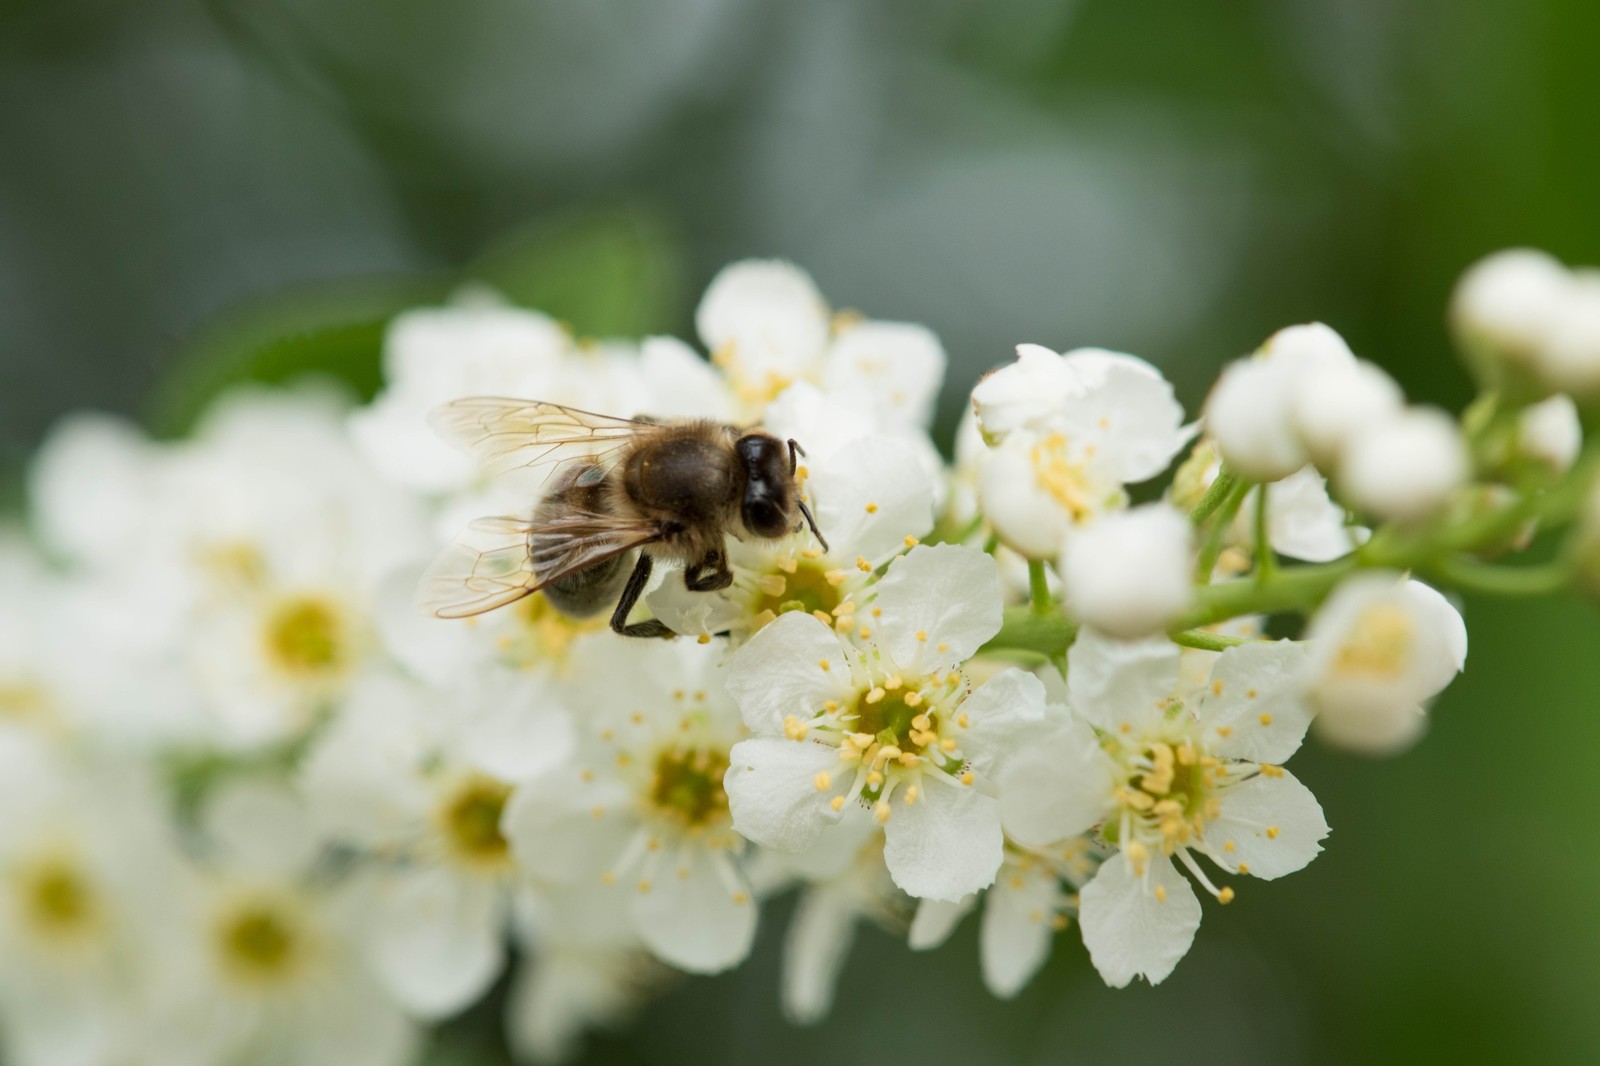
619	494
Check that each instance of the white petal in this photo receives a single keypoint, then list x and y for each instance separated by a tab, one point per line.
945	846
899	364
1017	928
949	594
1251	809
935	920
1029	391
1130	411
695	916
1000	712
780	672
1377	728
1255	708
1028	518
1057	787
435	940
681	384
1117	682
869	498
819	939
772	792
261	825
562	828
1128	930
514	730
771	315
1302	521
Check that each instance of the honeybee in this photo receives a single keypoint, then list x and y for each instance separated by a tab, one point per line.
618	492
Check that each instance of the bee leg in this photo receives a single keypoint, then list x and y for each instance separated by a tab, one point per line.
630	596
709	574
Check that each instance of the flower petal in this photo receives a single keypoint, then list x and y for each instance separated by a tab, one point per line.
435	940
1254	709
949	594
699	916
1128	408
1115	682
782	671
945	846
935	920
899	364
1001	711
1131	932
1274	824
1017	929
1058	786
772	792
820	935
767	314
869	498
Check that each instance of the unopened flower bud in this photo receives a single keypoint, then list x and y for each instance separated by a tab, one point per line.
1507	302
1549	432
1570	357
1406	466
1333	403
1129	574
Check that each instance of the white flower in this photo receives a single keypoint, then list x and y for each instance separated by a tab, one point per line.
768	327
1549	432
1130	573
871	502
891	724
1380	648
1251	410
1303	522
278	975
1509	302
1067	433
421	777
1406	466
477	347
1166	774
1022	912
643	815
1334	402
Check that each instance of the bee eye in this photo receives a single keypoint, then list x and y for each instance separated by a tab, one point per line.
763	518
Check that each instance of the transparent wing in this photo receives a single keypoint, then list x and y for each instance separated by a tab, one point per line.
507	435
496	561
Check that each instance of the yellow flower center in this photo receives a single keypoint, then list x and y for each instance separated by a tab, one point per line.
1063	478
22	701
686	786
806	587
1173	791
57	899
1379	644
261	941
544	635
305	636
470	819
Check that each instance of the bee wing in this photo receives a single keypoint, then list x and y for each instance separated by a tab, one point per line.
506	434
496	561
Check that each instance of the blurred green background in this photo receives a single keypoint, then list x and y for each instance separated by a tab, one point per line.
194	191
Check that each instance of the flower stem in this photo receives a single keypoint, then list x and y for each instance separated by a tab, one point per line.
1266	563
1198	638
1024	629
1221	488
1221	517
1469	575
1038	587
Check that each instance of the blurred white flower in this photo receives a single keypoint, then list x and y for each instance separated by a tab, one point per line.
1570	357
1131	573
1335	401
889	723
643	812
1166	774
1381	647
1405	467
1023	910
1509	301
1549	432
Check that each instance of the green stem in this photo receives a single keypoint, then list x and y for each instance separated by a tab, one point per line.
1266	562
1299	589
1221	518
1216	495
1024	629
1197	638
1469	575
1038	587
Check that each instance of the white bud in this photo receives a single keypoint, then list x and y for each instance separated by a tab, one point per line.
1249	413
1333	403
1130	573
1024	393
1405	466
1509	300
1569	360
1378	650
1549	431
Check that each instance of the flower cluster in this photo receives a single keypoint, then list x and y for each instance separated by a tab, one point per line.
259	808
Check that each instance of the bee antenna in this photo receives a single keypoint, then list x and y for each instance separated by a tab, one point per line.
812	522
796	453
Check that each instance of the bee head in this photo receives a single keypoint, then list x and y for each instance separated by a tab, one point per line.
769	488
